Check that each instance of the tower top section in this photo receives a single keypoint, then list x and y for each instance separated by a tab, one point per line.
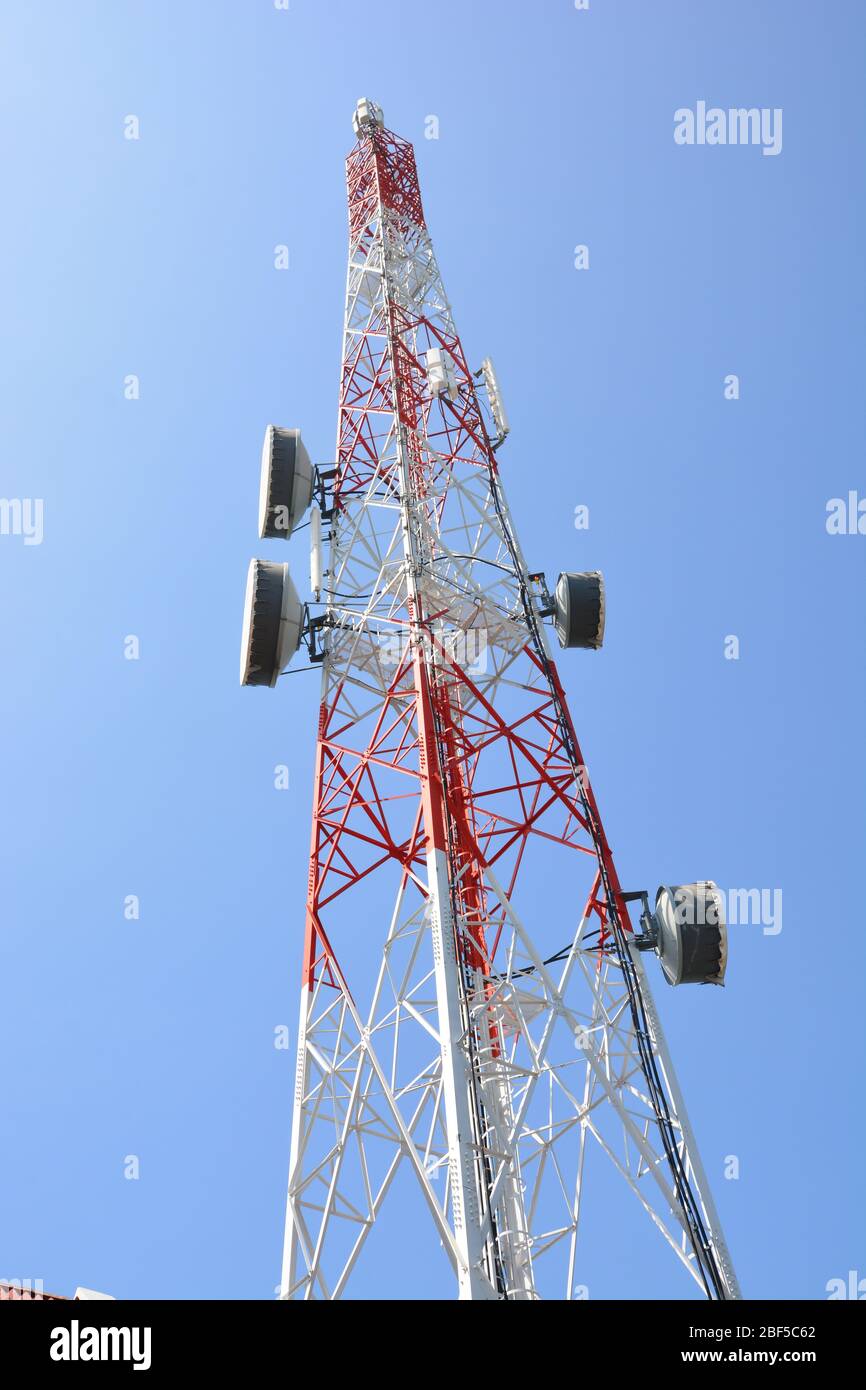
366	115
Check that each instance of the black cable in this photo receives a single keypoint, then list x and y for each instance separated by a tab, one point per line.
477	559
334	593
705	1255
529	969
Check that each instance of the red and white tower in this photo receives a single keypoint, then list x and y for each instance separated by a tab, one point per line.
474	1005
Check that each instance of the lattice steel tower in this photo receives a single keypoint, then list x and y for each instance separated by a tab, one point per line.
474	1005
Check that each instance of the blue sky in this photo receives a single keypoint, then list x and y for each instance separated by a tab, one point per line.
155	777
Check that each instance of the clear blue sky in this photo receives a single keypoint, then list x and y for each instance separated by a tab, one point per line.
155	777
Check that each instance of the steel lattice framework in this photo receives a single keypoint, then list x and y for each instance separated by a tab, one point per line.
447	1026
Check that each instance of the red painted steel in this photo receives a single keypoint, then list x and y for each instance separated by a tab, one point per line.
352	833
454	825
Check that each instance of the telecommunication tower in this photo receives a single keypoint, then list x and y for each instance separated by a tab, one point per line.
474	1009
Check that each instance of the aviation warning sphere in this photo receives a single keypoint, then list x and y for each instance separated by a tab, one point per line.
579	610
287	483
273	623
691	935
